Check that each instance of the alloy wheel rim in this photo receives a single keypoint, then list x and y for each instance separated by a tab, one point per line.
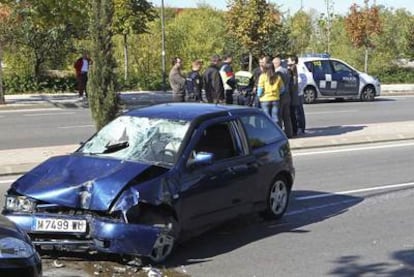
278	197
162	247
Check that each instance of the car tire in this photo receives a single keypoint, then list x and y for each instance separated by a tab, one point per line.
368	94
309	95
166	241
277	198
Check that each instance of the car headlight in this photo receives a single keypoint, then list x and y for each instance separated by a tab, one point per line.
11	248
19	204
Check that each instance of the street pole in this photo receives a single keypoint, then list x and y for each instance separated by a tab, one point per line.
164	85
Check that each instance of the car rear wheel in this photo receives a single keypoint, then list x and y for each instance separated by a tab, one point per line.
277	198
309	95
368	94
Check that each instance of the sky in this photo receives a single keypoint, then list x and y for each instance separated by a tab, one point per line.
340	6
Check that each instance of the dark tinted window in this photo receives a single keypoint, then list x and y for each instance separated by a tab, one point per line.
260	130
218	140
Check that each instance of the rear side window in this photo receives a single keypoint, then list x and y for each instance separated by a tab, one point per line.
260	130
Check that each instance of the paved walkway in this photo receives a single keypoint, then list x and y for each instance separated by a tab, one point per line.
16	161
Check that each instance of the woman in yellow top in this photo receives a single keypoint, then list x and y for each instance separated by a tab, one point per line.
269	87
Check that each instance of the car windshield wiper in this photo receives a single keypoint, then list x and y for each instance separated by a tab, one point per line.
109	148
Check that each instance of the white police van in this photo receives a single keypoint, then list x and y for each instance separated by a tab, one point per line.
323	77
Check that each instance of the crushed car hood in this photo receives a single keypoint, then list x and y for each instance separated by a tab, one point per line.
62	180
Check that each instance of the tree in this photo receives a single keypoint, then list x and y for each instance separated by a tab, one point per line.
251	22
300	25
102	96
131	17
48	26
362	24
410	39
6	27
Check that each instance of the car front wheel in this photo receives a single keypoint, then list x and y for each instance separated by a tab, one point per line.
309	95
167	238
277	198
368	94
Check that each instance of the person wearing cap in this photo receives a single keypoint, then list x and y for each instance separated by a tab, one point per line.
212	82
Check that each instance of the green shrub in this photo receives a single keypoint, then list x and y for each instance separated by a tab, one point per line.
14	84
396	75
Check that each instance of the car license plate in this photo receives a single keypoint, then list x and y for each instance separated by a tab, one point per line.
60	225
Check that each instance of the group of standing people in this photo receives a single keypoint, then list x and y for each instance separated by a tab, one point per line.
218	81
274	88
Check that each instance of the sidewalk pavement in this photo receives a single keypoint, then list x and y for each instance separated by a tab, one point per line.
18	161
133	98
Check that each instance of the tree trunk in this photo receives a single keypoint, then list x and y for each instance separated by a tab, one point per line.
126	57
366	60
250	61
2	99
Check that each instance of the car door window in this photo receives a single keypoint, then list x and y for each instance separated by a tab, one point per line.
341	68
218	140
260	130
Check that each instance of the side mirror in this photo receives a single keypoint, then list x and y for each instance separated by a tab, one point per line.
201	159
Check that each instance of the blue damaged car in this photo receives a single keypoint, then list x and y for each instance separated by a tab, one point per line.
153	177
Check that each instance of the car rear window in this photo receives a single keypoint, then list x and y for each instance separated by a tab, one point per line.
260	130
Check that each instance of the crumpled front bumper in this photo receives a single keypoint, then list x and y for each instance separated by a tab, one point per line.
103	235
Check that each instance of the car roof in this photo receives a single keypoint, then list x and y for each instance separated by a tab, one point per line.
187	111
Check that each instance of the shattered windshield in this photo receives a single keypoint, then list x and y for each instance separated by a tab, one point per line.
152	140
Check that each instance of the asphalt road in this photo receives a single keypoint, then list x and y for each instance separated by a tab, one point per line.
351	215
49	127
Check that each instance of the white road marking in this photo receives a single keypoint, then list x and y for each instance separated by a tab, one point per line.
47	114
7	181
305	210
75	126
352	149
331	112
31	110
339	193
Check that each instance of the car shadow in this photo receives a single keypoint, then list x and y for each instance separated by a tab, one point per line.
331	131
306	207
349	266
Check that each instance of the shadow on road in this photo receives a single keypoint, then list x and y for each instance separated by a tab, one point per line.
349	266
331	131
241	232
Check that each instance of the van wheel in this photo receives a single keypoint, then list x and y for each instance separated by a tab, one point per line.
309	95
277	199
368	94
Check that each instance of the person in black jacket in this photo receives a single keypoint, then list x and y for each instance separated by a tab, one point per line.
194	83
213	84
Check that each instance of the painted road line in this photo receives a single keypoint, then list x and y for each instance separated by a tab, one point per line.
346	192
353	149
76	126
330	112
324	206
7	181
47	114
30	110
